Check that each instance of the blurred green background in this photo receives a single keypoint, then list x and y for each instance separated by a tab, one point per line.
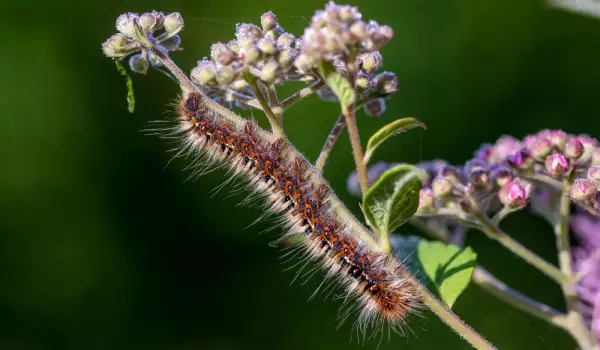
102	247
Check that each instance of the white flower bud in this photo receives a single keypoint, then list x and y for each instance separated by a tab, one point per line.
173	23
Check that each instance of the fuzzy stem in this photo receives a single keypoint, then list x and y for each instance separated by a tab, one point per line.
350	115
494	232
561	229
453	321
275	122
335	132
307	91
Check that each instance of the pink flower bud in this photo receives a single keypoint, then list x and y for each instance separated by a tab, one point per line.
268	21
557	164
558	138
442	186
514	195
540	148
426	200
502	175
594	173
574	148
521	159
583	190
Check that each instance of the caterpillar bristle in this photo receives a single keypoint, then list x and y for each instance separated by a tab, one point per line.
383	291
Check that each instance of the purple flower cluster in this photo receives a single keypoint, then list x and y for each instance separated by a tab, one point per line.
510	172
586	263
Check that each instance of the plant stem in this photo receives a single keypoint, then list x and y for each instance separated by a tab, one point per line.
307	91
350	115
335	132
494	232
486	280
561	229
453	321
276	126
272	94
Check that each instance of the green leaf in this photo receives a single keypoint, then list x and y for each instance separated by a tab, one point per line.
130	96
394	128
338	84
449	267
393	199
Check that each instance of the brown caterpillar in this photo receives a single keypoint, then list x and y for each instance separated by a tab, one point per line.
385	291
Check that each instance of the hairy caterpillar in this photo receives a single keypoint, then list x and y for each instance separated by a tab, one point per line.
381	286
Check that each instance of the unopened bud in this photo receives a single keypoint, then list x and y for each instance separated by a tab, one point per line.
375	108
269	71
268	21
540	148
204	73
126	24
371	61
574	148
596	156
349	14
305	63
173	23
426	200
594	173
382	35
116	45
442	186
138	64
558	138
225	75
521	159
583	190
363	81
246	29
286	40
359	30
267	46
286	56
514	195
502	175
234	46
557	164
221	54
250	54
148	22
385	83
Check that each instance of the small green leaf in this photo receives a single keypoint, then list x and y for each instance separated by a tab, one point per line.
394	128
130	96
338	84
393	199
449	267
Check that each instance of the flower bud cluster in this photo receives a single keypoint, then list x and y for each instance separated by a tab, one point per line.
135	29
273	56
338	31
266	52
551	155
506	173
